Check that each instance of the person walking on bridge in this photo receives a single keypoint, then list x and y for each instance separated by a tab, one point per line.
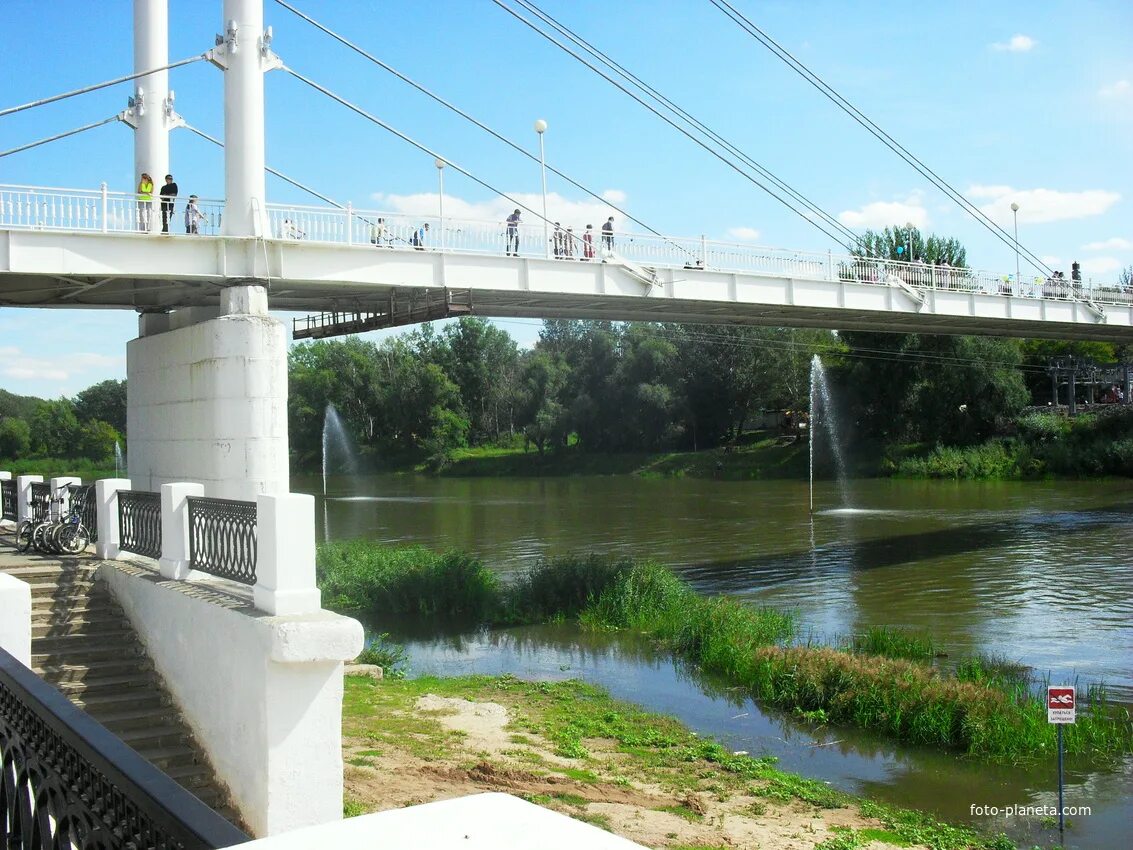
588	243
168	197
512	235
145	201
418	240
608	235
193	217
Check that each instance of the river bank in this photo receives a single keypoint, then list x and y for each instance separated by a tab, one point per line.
569	746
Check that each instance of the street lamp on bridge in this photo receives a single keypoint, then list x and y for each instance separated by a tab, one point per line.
1015	215
541	128
440	163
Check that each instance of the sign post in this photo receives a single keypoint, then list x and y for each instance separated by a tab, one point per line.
1060	708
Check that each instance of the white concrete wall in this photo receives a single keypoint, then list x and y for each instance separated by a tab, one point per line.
15	617
262	694
207	403
475	822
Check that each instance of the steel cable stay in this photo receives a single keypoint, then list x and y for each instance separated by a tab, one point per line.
87	89
605	59
846	106
806	216
448	105
59	136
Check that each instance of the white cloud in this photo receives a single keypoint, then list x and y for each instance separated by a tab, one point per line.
22	367
572	213
1016	44
1122	88
1100	265
1114	244
746	234
1053	262
887	214
614	196
1042	205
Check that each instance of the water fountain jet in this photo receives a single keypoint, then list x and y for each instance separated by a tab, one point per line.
820	400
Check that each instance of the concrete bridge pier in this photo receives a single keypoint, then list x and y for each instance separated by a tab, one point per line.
207	398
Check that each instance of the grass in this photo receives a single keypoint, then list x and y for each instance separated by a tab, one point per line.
986	708
651	749
50	467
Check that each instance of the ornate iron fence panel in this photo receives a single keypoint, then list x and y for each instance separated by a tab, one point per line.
139	522
8	500
82	496
222	538
40	500
67	782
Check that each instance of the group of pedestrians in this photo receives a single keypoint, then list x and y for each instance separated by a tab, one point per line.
168	195
564	243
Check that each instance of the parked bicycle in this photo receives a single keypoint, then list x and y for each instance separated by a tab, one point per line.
58	534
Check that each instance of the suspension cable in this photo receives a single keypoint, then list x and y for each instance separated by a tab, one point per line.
842	103
733	149
54	98
270	170
731	164
423	148
59	136
437	98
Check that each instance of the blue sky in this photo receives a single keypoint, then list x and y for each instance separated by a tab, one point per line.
1029	102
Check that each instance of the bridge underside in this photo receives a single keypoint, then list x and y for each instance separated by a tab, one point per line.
46	269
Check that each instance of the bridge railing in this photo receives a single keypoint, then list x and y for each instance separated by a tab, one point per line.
100	210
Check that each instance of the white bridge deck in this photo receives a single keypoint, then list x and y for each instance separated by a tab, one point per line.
72	248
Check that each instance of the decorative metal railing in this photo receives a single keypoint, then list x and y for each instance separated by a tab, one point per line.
67	782
39	501
82	495
8	506
222	538
139	522
84	210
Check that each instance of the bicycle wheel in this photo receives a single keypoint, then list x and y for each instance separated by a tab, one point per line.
74	538
52	538
24	534
37	537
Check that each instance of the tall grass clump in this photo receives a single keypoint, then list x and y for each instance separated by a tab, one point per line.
894	643
560	587
359	576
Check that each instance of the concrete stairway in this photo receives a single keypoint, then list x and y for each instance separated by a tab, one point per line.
84	645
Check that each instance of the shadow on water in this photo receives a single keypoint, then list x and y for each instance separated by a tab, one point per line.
737	574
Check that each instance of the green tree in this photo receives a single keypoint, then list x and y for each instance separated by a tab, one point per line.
483	361
15	438
96	440
55	429
105	401
543	377
910	245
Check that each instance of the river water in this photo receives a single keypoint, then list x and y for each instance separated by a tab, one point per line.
1032	572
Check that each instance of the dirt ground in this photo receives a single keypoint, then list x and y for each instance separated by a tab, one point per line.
483	750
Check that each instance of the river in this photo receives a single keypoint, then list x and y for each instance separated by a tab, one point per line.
1037	573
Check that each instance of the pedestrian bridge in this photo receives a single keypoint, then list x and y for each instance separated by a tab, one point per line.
83	248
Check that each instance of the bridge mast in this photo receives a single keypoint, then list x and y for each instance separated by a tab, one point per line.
150	112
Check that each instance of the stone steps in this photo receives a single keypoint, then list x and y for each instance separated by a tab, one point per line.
84	645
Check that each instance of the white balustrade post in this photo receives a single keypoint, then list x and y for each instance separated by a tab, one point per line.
5	476
285	554
830	265
106	490
58	485
15	618
174	561
704	250
23	495
349	223
105	203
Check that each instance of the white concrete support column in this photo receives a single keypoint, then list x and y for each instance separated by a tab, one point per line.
245	56
23	495
285	554
15	618
151	99
106	499
59	487
174	561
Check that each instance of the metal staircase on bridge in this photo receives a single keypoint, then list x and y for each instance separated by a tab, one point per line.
404	308
84	645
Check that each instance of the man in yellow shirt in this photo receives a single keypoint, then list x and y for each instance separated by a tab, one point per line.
145	202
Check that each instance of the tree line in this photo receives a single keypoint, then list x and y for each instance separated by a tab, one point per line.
84	427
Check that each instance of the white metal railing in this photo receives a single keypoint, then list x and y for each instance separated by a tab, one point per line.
121	212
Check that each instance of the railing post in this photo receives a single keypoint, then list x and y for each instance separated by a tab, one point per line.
349	223
15	618
285	554
174	561
703	251
106	500
105	203
59	484
830	265
23	495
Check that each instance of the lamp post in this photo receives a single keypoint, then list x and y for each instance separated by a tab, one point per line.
1015	215
541	128
440	163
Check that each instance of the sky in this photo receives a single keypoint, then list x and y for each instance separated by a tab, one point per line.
1025	102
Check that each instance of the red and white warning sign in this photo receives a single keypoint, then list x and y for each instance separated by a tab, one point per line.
1060	704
